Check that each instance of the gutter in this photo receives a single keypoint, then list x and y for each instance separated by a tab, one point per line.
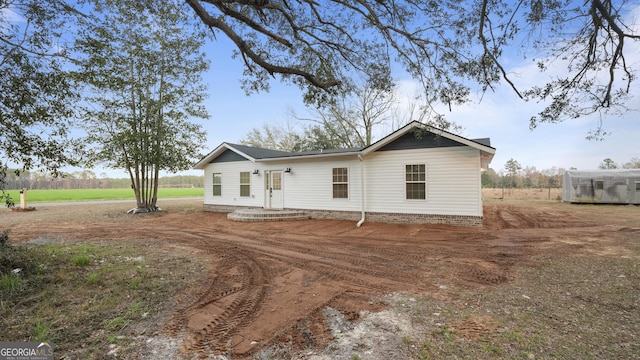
361	190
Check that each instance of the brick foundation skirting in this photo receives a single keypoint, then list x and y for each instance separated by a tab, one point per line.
456	220
224	208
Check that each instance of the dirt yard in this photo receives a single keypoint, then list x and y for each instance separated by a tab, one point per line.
269	285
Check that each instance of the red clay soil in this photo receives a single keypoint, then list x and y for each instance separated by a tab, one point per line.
268	282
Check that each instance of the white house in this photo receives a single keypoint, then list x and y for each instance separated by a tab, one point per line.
415	174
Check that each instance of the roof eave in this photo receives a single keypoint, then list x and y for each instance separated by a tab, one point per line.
415	124
485	160
217	152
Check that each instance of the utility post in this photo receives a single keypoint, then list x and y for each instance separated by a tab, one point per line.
23	198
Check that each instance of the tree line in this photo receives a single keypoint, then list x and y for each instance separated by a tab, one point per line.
514	175
528	177
87	179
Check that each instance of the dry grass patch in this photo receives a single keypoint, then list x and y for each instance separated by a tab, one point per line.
93	298
581	307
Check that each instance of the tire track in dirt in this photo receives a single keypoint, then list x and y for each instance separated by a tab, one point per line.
332	265
215	337
412	258
514	217
339	268
232	300
338	265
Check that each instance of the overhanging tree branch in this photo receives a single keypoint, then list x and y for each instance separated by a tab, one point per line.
449	46
246	50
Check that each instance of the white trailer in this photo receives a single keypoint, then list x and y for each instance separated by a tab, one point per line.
602	186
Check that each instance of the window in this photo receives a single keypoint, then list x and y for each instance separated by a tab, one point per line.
217	184
415	177
245	183
277	180
340	183
599	185
637	186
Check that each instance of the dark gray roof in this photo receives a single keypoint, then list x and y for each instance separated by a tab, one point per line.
259	153
324	151
483	141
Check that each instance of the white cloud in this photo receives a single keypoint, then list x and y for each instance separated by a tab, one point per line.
9	15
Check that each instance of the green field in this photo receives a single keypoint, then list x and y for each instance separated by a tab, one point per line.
35	196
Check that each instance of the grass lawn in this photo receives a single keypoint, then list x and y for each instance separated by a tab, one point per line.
34	196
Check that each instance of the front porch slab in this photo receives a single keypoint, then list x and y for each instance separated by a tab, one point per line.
258	214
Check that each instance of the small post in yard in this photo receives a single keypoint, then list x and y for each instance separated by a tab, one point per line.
23	198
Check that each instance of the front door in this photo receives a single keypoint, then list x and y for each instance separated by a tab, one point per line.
273	190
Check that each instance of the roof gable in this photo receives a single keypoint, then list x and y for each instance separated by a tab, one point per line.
228	156
227	152
410	129
418	140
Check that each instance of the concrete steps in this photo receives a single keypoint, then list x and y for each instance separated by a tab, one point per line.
250	215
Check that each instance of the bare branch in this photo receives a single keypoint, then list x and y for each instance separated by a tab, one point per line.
488	53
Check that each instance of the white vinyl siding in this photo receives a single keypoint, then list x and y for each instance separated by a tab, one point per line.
229	183
452	182
309	185
245	183
340	179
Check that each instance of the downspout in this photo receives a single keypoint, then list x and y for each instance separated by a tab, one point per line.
361	190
